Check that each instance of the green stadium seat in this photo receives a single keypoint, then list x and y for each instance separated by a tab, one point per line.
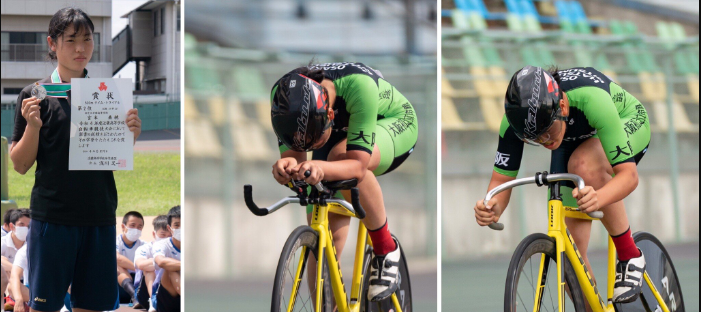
249	83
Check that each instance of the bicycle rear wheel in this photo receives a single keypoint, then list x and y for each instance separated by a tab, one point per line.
663	275
403	292
292	271
522	278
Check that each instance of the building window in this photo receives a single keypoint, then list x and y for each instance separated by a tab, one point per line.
163	20
12	91
155	23
32	46
178	18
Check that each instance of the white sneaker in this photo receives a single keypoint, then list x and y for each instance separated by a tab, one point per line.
382	286
151	308
64	309
629	279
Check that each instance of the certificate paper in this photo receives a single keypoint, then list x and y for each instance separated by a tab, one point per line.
100	137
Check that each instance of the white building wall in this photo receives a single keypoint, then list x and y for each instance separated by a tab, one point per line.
165	53
34	16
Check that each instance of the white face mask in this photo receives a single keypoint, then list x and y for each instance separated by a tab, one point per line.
133	234
21	232
176	234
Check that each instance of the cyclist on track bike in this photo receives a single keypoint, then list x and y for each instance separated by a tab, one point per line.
358	126
596	130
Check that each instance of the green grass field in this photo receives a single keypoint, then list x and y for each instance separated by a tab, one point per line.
151	188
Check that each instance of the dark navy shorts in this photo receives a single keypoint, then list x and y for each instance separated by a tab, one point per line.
142	293
82	257
167	302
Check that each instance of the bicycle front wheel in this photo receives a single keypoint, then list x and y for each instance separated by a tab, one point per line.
663	275
525	270
403	293
294	286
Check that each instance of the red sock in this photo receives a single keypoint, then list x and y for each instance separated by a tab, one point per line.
382	241
625	246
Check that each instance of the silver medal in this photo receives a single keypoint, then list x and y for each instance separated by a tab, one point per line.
38	91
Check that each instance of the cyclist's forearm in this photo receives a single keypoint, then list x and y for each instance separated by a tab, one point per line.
24	152
623	183
342	169
504	197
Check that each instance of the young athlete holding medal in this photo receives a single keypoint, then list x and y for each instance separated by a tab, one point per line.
71	236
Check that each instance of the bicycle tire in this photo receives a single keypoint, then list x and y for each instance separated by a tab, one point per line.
403	292
531	245
303	236
659	266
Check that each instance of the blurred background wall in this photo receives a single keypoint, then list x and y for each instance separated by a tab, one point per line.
234	52
649	47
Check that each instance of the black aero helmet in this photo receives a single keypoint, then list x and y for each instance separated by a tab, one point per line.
532	102
298	111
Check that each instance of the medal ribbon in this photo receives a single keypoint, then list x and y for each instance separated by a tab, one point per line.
57	88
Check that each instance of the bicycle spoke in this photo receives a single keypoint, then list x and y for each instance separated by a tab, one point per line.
522	303
550	293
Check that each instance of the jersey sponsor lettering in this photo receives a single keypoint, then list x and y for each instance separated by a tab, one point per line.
577	73
340	66
502	159
638	121
364	137
622	151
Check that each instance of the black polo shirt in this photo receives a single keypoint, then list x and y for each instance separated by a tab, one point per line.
81	198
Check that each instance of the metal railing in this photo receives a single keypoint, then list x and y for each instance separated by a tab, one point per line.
23	52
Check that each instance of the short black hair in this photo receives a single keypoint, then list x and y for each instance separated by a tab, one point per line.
18	214
6	217
66	17
160	223
173	213
132	214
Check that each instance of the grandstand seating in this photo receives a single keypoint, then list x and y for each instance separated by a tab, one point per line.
477	77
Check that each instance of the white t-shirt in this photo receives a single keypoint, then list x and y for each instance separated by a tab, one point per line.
21	261
145	251
129	252
7	248
166	248
2	230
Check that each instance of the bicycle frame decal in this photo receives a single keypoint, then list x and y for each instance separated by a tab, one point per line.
559	232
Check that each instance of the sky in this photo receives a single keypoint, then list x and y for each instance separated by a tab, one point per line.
119	8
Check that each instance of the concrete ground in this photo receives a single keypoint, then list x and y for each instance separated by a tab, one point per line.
255	294
479	284
158	141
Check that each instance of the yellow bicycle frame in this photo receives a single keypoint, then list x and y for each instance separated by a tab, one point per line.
327	250
565	246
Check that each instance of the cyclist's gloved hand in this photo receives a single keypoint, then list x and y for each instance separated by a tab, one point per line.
488	214
297	172
587	199
280	168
